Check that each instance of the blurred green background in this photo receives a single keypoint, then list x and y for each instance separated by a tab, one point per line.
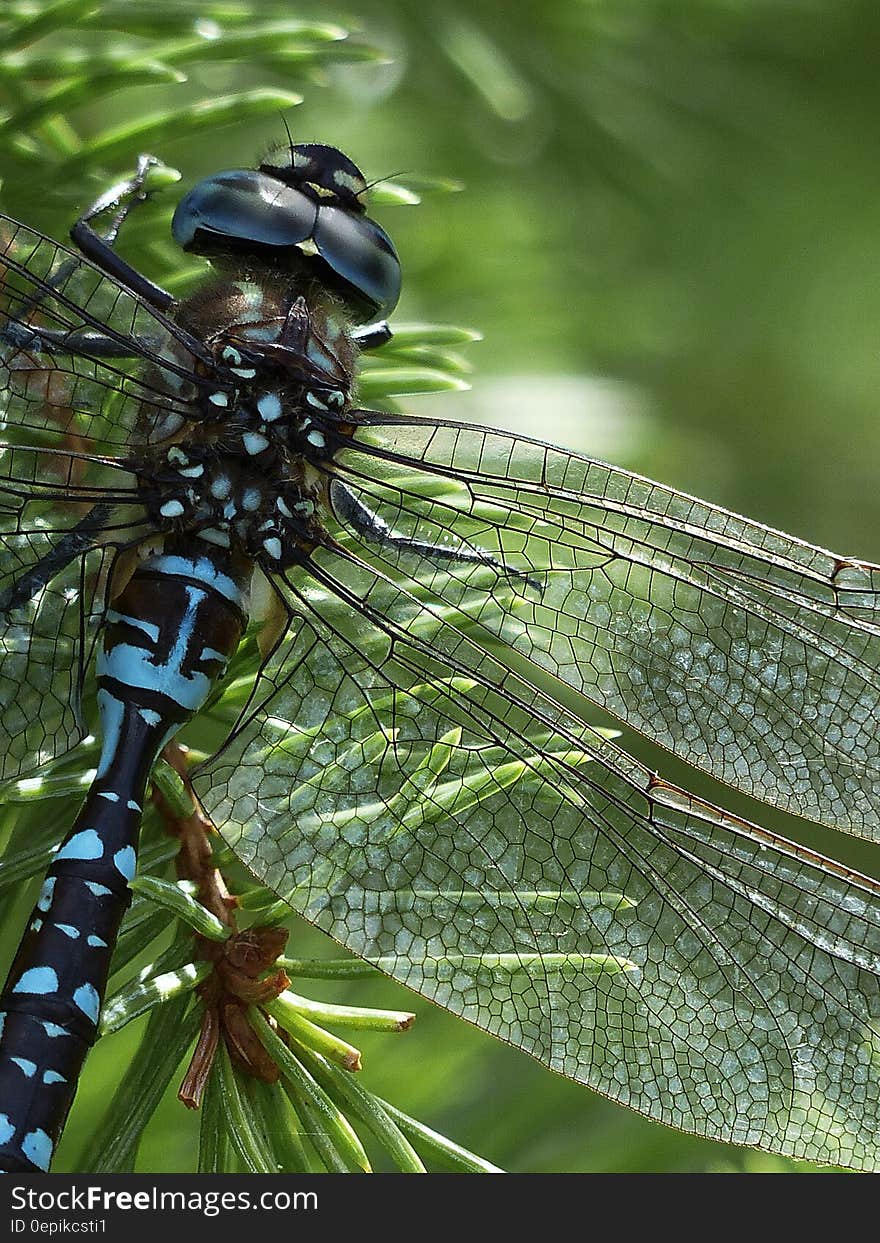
669	237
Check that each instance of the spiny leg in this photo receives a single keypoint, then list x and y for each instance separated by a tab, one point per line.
78	540
376	530
124	196
98	247
85	344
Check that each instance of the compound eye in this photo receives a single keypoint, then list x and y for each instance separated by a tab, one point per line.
325	170
241	206
362	254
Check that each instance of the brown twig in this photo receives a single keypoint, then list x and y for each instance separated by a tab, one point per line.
238	979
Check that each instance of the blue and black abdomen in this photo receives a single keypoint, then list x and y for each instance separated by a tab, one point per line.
167	638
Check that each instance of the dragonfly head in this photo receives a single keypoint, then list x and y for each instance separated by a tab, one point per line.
303	211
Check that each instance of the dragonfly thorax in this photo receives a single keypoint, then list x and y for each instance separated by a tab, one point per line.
250	471
250	475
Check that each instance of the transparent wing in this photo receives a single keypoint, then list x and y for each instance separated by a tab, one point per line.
55	561
81	356
439	816
45	645
746	652
83	365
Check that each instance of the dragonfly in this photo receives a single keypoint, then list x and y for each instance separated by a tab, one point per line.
421	616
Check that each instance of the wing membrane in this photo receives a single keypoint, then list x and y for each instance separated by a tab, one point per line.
438	816
746	652
81	356
82	367
45	644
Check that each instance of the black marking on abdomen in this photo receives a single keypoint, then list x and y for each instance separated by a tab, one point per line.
49	1010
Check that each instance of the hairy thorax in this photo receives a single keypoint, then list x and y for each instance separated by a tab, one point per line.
252	471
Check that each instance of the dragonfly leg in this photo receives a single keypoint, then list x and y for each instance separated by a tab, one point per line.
376	530
98	247
81	344
372	336
76	541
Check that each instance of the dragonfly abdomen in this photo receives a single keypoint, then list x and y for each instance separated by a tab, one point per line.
167	638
